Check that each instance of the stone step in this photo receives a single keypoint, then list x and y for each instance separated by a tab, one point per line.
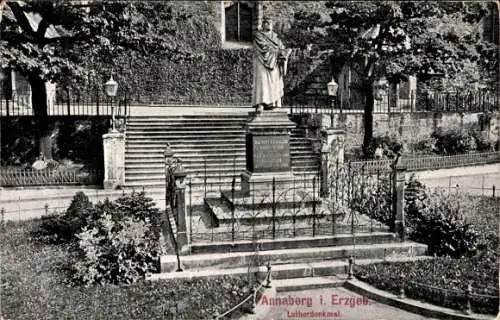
186	134
213	175
308	283
191	171
182	138
187	163
212	172
197	184
226	177
291	271
209	157
189	143
215	155
154	158
286	263
191	117
201	149
134	127
202	146
292	243
180	122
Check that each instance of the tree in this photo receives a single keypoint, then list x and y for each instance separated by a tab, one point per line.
395	39
52	40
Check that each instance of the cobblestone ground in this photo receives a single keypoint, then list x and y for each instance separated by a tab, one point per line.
327	304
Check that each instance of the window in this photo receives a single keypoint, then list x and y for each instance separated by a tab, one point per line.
238	22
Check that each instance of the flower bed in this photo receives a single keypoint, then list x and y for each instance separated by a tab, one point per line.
443	280
35	285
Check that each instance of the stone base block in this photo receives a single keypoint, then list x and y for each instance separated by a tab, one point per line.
262	182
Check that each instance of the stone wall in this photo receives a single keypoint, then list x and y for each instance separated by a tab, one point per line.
410	127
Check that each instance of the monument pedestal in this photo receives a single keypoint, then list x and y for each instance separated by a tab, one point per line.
267	152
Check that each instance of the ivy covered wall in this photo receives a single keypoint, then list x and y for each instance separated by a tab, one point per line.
216	75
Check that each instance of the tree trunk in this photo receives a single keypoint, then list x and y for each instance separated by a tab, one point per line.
368	119
39	105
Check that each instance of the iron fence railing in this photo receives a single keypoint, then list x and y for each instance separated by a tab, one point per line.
428	101
17	177
290	210
464	300
66	103
431	162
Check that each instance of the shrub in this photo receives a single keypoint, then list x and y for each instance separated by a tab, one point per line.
423	277
453	142
426	146
390	144
63	228
120	242
434	218
115	252
438	221
482	142
374	201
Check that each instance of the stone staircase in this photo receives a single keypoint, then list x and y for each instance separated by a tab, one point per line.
294	257
210	147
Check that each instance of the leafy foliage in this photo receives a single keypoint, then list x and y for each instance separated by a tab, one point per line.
63	228
115	251
396	39
453	142
435	218
34	282
421	277
120	242
438	221
46	39
450	274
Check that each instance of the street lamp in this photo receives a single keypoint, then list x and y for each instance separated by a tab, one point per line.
111	88
332	88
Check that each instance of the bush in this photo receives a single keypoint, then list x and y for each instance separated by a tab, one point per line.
434	218
34	283
423	277
453	142
63	228
482	142
121	241
374	201
437	220
115	251
426	146
391	145
116	241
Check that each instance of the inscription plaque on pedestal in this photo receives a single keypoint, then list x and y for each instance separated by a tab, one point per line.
268	153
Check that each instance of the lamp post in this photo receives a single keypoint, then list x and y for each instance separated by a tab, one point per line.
111	88
332	88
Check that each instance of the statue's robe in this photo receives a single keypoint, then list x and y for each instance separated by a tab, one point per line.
267	77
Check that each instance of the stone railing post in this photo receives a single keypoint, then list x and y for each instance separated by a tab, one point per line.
181	208
114	160
398	199
332	149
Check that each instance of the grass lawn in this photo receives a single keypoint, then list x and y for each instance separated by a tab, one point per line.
481	270
34	284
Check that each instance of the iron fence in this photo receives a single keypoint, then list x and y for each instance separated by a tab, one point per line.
85	102
18	177
428	101
289	209
464	300
431	162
